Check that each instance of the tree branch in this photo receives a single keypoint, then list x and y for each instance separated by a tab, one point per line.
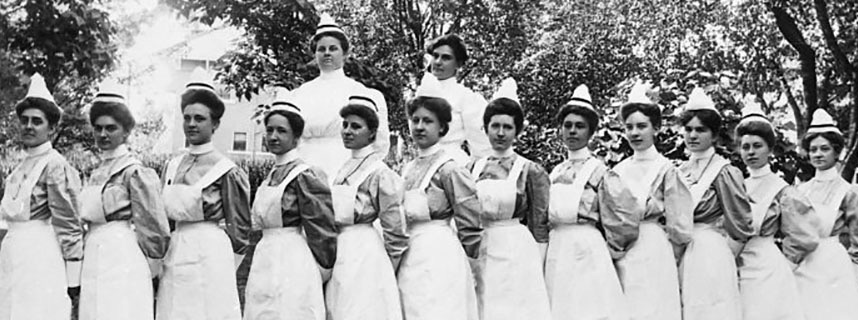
831	41
790	31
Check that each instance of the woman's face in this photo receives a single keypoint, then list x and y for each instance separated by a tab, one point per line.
329	54
754	150
35	129
356	133
698	137
639	131
108	133
279	137
198	124
425	128
501	131
822	153
444	63
575	131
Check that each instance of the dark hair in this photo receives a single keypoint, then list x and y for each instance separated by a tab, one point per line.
836	140
206	98
757	128
504	106
440	107
363	112
649	110
295	121
117	111
710	119
455	43
341	37
52	113
588	114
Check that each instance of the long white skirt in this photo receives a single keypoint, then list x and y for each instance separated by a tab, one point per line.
363	284
199	276
709	280
649	276
826	283
284	281
510	284
435	280
115	281
580	276
767	284
32	274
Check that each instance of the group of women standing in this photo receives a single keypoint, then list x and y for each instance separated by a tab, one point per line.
490	235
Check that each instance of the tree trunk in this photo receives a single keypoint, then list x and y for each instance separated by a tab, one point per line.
807	57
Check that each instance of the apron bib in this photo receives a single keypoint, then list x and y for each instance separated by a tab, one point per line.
185	202
19	186
416	203
266	211
497	197
564	198
640	181
91	207
344	195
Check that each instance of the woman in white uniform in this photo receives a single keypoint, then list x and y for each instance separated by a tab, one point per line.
363	283
122	207
594	220
766	279
449	54
648	272
202	187
827	277
321	99
513	193
435	278
40	255
708	275
299	239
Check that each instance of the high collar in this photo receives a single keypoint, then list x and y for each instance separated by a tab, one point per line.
363	152
201	148
827	175
648	154
119	151
705	154
503	154
40	149
422	153
281	159
761	172
579	154
451	81
335	74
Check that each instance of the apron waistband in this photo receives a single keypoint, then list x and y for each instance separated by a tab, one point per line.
95	227
704	226
418	226
503	223
193	225
357	226
29	224
280	231
562	226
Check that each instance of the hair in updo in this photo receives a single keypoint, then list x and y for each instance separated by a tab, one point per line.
454	42
296	122
206	98
588	114
52	113
757	128
649	110
709	118
835	139
438	106
505	106
117	111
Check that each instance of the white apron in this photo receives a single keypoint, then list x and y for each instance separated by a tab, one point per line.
32	271
708	275
826	280
435	280
284	280
115	279
648	271
363	284
579	272
510	283
199	269
766	280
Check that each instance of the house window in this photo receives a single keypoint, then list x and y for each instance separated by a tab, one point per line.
239	141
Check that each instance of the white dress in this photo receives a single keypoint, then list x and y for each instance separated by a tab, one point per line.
467	123
320	101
